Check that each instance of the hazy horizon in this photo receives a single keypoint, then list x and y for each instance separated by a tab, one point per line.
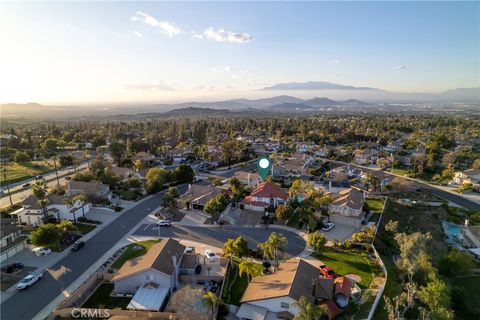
127	53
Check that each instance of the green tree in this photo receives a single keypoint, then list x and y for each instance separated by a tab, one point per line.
21	157
476	164
210	300
50	144
170	197
47	235
251	268
66	160
240	246
184	173
307	310
116	150
317	241
436	295
156	178
284	212
455	263
216	205
270	248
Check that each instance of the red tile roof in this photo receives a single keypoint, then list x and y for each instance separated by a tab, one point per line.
269	190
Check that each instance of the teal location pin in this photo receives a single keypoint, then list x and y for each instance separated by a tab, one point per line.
264	165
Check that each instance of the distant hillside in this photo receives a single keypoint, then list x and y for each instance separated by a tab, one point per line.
314	85
196	112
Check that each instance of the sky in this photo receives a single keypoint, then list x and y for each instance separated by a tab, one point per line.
125	52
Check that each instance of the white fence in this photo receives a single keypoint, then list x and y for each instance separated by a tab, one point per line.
380	290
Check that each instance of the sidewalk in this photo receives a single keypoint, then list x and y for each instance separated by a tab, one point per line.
56	256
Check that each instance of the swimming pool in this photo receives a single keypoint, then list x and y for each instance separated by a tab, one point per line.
452	231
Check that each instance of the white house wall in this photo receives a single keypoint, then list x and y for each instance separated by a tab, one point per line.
274	304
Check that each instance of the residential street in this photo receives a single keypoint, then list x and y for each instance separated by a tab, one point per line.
217	236
62	274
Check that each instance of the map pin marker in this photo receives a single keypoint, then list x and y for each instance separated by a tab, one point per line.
264	165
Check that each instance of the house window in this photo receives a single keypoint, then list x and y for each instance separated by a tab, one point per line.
284	305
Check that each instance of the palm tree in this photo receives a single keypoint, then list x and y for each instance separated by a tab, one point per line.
249	267
270	247
83	199
210	300
70	202
39	189
42	203
307	310
56	172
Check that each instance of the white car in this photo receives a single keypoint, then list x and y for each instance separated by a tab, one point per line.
189	250
29	280
41	251
163	223
328	226
210	255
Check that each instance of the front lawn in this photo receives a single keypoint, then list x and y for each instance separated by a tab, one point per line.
17	172
133	251
344	262
101	299
375	205
84	228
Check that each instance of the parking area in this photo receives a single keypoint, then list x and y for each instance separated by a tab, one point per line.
29	259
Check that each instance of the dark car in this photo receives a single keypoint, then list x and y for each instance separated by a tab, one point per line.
78	245
26	185
68	178
38	177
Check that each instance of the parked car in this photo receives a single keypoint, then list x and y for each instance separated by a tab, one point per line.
68	178
210	255
163	223
29	280
26	185
77	245
189	250
328	226
41	251
327	272
38	177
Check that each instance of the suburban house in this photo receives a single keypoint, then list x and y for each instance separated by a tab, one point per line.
271	296
347	207
147	159
266	194
468	176
90	189
251	179
12	239
361	157
150	278
180	154
297	164
32	214
280	172
471	236
125	173
383	178
199	194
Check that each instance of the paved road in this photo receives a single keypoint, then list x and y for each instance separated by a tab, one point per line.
425	187
19	193
216	237
26	304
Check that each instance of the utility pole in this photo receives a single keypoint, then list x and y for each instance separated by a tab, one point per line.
8	186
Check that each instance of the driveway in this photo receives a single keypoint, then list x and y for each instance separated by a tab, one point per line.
340	232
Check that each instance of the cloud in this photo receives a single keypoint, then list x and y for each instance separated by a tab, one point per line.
138	34
167	27
228	69
400	67
159	85
224	35
236	76
196	35
334	61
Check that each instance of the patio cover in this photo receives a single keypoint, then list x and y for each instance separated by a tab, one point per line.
249	311
148	298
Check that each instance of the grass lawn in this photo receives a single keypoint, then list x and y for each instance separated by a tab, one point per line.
345	262
84	228
17	172
131	253
101	298
235	285
375	205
